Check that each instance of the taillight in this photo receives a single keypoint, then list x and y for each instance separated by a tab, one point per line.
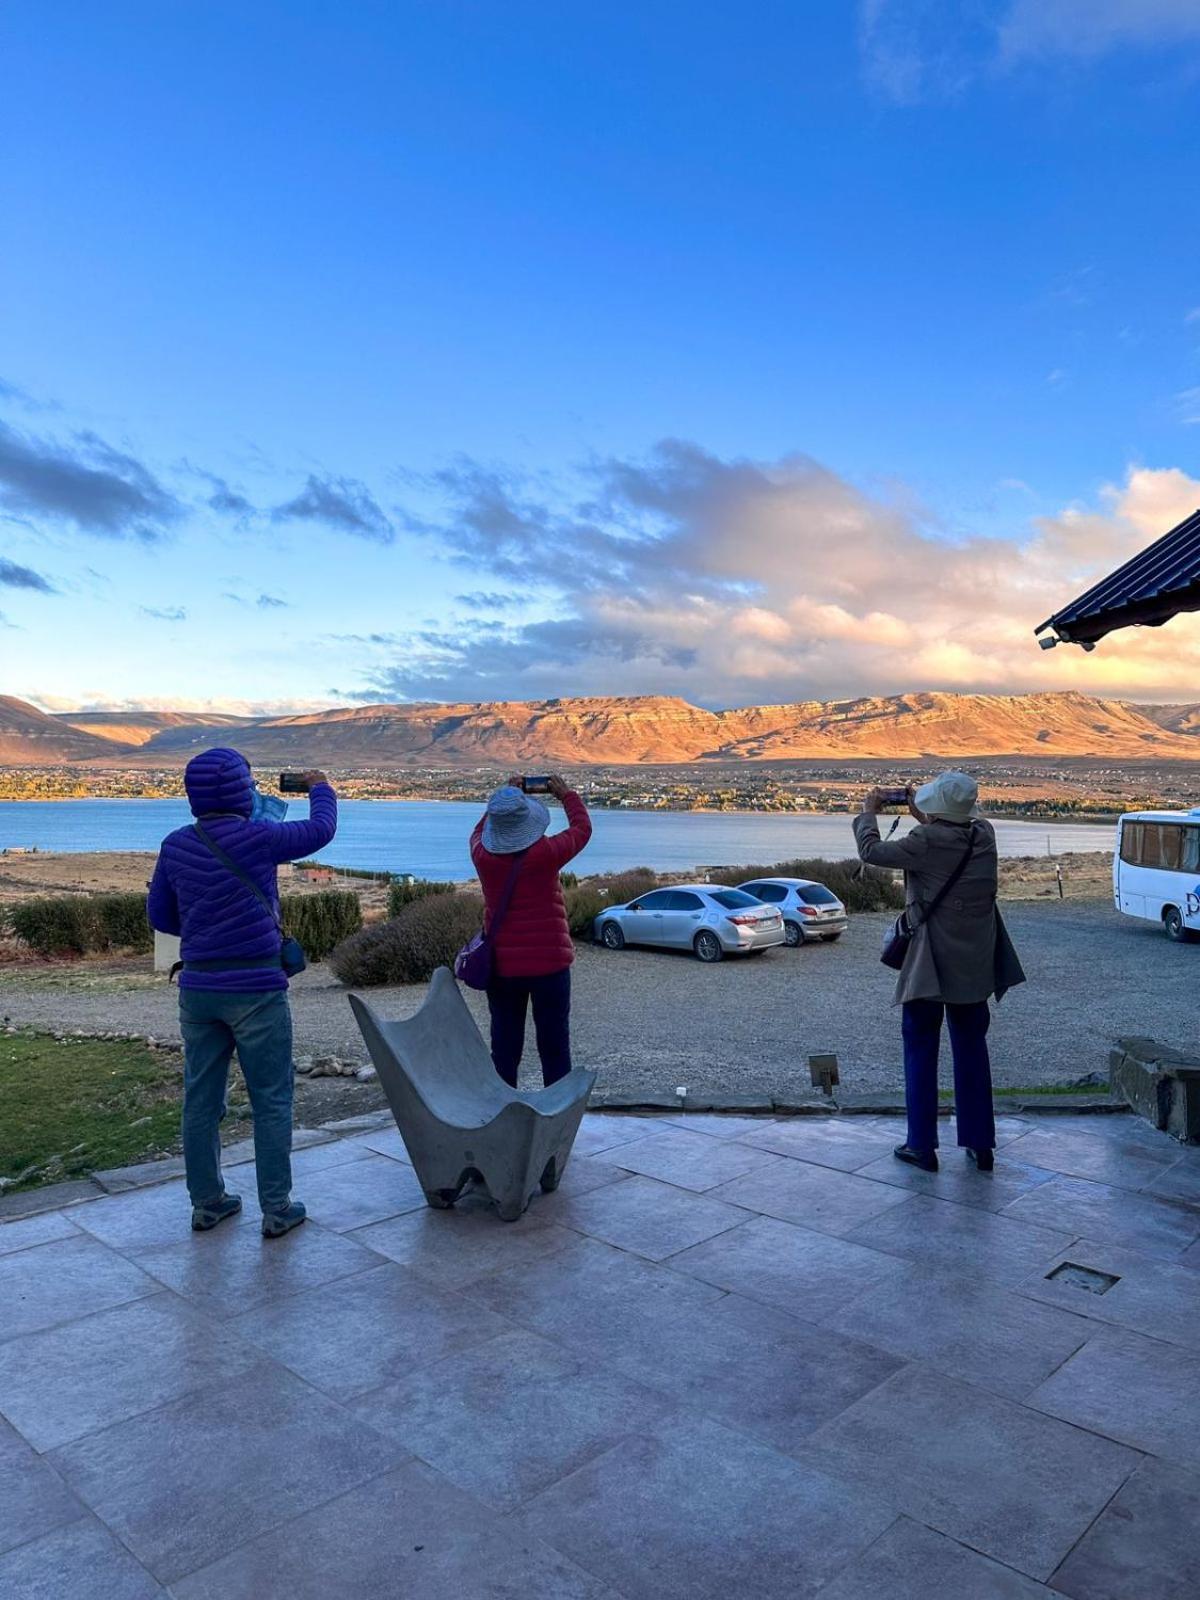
745	921
808	911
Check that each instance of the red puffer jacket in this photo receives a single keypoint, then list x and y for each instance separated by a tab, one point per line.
534	938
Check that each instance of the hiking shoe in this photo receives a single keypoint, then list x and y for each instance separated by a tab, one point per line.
276	1223
925	1159
206	1217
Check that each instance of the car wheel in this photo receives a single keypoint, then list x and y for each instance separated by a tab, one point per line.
792	934
708	946
1174	927
611	937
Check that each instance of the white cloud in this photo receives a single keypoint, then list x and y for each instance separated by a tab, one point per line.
99	700
729	582
1093	27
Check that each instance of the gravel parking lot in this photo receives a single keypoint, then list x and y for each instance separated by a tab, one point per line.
651	1020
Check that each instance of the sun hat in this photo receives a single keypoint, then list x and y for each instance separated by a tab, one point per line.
950	794
514	821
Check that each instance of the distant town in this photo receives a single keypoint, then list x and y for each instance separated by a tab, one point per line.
1076	788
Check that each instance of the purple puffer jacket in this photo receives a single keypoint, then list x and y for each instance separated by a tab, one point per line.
194	894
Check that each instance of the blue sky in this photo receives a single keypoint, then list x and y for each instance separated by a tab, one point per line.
453	350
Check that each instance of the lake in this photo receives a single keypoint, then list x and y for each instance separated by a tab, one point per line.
429	837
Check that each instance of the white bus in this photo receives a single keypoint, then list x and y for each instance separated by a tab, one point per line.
1156	870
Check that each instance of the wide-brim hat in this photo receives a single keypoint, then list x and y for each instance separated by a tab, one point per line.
514	821
951	794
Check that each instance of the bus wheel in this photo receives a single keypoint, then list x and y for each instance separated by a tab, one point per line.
1173	926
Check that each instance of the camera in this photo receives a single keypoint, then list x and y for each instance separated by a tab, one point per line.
293	783
894	796
536	785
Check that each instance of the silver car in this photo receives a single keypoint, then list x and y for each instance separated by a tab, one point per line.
811	912
707	919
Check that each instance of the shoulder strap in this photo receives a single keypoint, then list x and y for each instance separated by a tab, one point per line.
951	880
227	860
501	910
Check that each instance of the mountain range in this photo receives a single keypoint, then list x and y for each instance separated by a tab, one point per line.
647	729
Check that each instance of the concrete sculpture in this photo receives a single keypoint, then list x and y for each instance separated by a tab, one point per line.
459	1120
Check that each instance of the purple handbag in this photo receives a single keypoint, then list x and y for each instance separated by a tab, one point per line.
474	962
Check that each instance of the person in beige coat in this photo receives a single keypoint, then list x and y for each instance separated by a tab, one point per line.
959	957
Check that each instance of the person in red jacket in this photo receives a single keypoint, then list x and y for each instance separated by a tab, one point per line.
533	949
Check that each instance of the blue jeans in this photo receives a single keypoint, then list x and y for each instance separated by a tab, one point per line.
922	1030
259	1026
508	1001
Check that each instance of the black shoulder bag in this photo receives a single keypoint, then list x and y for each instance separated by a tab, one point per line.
898	940
291	952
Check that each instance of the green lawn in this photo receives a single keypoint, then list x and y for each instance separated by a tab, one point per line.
71	1108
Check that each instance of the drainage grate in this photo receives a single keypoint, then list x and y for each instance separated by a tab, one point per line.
1083	1278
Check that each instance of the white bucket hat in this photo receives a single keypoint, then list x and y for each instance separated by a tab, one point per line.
514	821
950	794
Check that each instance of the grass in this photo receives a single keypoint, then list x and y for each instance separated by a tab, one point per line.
74	1107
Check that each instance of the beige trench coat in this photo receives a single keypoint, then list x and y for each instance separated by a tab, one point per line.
964	954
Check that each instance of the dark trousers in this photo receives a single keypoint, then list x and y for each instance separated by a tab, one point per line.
922	1030
508	999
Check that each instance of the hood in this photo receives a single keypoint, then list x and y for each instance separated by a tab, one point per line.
219	780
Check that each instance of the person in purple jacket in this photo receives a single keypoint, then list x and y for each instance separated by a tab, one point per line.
233	987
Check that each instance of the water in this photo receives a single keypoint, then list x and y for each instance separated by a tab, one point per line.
429	837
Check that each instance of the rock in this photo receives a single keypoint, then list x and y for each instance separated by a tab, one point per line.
365	1073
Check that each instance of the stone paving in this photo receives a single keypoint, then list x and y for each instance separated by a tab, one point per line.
730	1356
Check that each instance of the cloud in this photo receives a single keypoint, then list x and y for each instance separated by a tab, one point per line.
1093	27
738	581
340	503
97	700
226	500
99	489
1188	401
489	600
270	602
165	613
18	577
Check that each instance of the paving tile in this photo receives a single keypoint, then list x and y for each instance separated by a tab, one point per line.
691	1160
36	1230
33	1498
650	1218
231	1269
1124	1162
81	1560
313	1158
148	1219
1143	1546
361	1332
1191	1256
50	1197
1011	1483
718	1125
64	1382
581	1284
690	1510
742	1363
814	1196
828	1141
598	1134
583	1174
915	1563
1137	1390
274	1446
511	1416
1154	1297
62	1280
966	1326
409	1534
962	1238
453	1248
382	1142
959	1180
806	1273
1180	1182
1099	1211
355	1194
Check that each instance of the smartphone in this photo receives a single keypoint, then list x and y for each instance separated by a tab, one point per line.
894	797
293	783
536	785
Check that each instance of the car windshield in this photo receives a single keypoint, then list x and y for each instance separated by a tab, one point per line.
816	894
734	899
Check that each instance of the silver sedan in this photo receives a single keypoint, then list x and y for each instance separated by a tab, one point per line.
811	912
707	919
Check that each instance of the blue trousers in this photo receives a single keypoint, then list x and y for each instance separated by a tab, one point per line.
922	1031
259	1027
508	1001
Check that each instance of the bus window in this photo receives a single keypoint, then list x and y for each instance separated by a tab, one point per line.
1131	843
1191	850
1170	845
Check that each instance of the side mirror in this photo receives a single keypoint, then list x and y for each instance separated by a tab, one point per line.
634	907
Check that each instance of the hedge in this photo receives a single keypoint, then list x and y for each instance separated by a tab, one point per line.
428	933
405	894
321	921
79	924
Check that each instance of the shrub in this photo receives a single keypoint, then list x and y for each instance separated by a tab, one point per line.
79	924
428	933
584	905
859	888
404	894
321	921
569	880
122	920
618	887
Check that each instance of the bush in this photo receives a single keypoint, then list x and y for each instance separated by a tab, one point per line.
428	933
568	880
80	924
321	921
859	888
619	887
405	894
583	905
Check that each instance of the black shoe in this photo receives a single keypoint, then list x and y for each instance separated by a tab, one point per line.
985	1160
925	1159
